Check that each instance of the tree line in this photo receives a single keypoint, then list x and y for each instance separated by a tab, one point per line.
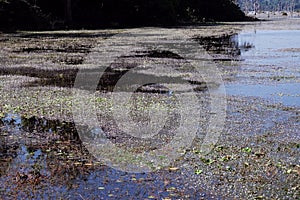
269	5
45	14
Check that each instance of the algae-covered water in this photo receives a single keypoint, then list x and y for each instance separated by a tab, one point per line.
256	156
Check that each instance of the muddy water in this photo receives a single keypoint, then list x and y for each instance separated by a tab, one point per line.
271	68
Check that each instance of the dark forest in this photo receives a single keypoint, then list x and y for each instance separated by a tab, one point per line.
60	14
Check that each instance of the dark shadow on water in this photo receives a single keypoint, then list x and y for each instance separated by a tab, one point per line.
60	78
156	54
67	35
65	49
224	48
110	75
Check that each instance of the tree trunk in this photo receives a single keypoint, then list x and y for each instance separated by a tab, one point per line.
68	12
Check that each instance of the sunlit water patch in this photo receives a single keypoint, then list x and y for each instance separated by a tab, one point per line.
288	94
271	68
272	48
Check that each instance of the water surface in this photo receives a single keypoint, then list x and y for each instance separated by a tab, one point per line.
271	68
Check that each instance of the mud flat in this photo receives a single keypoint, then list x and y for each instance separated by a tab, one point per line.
256	156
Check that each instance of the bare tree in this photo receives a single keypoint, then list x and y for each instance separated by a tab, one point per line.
256	6
292	6
248	6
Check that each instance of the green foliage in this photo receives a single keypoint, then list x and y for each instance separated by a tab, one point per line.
198	171
247	150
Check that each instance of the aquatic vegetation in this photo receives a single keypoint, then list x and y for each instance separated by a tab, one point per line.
41	153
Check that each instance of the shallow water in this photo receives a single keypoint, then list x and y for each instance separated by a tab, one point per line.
270	44
62	168
287	94
271	67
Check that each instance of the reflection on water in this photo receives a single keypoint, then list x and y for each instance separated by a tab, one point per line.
222	48
41	158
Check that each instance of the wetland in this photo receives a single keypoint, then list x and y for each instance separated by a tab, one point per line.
44	155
